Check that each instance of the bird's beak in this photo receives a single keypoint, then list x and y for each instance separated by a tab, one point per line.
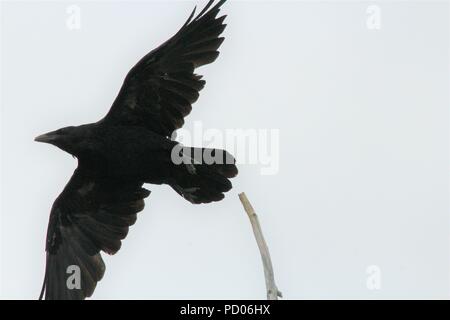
47	138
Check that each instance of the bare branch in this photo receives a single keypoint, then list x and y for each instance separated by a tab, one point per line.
272	291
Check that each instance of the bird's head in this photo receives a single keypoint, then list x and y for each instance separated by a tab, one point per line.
69	139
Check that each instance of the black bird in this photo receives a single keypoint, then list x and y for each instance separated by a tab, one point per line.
131	146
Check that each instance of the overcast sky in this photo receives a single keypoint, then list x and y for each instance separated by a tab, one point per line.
349	104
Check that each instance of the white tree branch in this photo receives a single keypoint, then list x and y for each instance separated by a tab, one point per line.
272	291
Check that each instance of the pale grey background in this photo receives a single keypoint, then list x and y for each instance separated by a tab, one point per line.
364	123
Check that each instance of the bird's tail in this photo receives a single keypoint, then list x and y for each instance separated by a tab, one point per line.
203	174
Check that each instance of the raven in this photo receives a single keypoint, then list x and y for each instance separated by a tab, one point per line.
131	146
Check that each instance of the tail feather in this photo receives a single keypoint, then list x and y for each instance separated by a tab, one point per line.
204	175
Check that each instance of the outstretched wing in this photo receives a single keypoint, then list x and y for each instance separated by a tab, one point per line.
88	216
159	91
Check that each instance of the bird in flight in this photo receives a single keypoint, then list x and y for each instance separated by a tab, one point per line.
131	146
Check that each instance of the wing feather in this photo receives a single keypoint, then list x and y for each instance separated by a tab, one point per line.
88	217
160	89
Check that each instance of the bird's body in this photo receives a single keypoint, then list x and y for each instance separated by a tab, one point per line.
125	152
129	147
